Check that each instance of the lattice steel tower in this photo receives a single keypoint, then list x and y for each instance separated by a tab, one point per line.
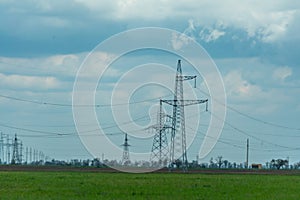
16	157
160	149
125	158
178	150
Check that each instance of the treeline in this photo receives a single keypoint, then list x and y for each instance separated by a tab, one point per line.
214	163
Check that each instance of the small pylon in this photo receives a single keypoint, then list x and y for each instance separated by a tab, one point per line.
126	158
16	156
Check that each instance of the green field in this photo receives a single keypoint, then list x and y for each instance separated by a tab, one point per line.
89	185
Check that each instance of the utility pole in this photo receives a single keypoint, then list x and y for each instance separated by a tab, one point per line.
30	155
178	151
26	155
21	152
1	148
35	155
247	154
125	158
8	150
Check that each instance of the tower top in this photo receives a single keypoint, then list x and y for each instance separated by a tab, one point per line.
179	67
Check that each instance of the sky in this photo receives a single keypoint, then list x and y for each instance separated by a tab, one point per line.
254	44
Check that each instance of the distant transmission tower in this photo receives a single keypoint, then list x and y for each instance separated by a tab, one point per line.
16	158
125	158
178	154
160	151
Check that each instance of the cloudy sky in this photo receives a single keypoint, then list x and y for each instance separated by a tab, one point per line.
255	45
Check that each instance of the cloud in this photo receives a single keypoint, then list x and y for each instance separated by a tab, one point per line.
236	86
247	97
179	40
96	63
266	20
252	16
282	73
209	35
64	65
29	82
64	27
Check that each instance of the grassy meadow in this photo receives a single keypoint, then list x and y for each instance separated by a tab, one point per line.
91	185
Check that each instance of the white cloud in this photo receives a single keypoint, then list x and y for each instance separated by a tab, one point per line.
282	73
29	82
179	40
272	25
247	97
237	87
63	65
57	65
96	63
209	35
266	20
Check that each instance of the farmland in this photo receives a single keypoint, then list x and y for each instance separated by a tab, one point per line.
77	184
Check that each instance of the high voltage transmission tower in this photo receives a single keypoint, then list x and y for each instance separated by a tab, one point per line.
8	146
125	158
16	156
11	151
159	151
178	151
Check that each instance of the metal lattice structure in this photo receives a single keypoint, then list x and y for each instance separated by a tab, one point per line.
16	156
12	151
125	157
178	151
160	149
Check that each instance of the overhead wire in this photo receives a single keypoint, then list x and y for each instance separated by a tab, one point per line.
249	116
250	135
71	133
233	143
83	105
147	100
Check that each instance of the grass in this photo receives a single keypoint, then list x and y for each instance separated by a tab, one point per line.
88	185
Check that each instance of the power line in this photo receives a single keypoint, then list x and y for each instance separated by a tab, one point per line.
219	140
235	145
83	105
50	134
72	133
262	121
249	116
250	135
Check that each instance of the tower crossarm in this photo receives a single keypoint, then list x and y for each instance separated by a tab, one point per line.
184	102
157	127
185	78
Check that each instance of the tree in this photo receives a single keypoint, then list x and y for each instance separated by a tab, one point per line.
278	163
211	163
219	161
226	163
268	165
297	165
178	163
